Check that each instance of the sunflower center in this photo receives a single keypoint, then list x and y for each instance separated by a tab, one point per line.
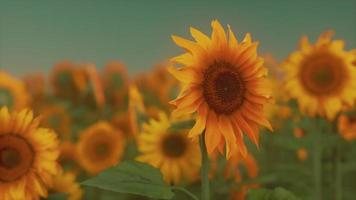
223	88
102	149
16	157
9	158
322	74
174	145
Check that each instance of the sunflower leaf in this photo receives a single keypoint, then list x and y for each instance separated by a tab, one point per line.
132	177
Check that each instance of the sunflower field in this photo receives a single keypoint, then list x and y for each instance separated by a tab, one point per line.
220	121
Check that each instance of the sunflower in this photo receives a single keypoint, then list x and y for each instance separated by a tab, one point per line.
28	156
57	118
224	83
100	146
347	127
116	82
321	76
13	92
173	153
65	183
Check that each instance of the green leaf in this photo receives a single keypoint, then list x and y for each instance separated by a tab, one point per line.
266	194
132	178
58	196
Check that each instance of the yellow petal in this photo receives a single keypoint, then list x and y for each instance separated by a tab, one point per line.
200	37
188	45
218	34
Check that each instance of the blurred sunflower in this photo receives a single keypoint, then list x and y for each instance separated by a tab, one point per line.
66	184
57	118
65	81
232	170
116	82
122	122
224	82
13	93
28	156
347	127
158	87
100	146
321	76
173	153
94	88
68	156
135	107
36	86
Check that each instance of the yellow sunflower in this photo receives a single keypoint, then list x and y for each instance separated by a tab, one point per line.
28	156
65	183
173	153
13	93
100	146
321	76
224	84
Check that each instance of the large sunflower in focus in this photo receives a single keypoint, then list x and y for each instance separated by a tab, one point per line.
13	92
28	156
321	76
173	153
100	146
224	83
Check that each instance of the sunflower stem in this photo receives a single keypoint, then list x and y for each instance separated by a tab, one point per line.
204	172
317	164
338	174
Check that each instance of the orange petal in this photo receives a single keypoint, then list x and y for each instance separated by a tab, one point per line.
212	133
189	109
199	126
218	34
246	128
253	114
232	39
227	130
185	75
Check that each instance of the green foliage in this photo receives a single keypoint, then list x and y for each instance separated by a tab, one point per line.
58	196
276	194
133	178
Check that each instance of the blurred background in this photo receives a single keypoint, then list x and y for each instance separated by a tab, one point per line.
36	34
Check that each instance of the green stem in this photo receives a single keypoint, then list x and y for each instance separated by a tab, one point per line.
338	175
204	172
191	195
317	165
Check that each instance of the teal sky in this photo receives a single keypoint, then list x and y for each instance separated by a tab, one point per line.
36	34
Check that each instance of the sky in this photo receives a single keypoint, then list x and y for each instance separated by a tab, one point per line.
36	34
